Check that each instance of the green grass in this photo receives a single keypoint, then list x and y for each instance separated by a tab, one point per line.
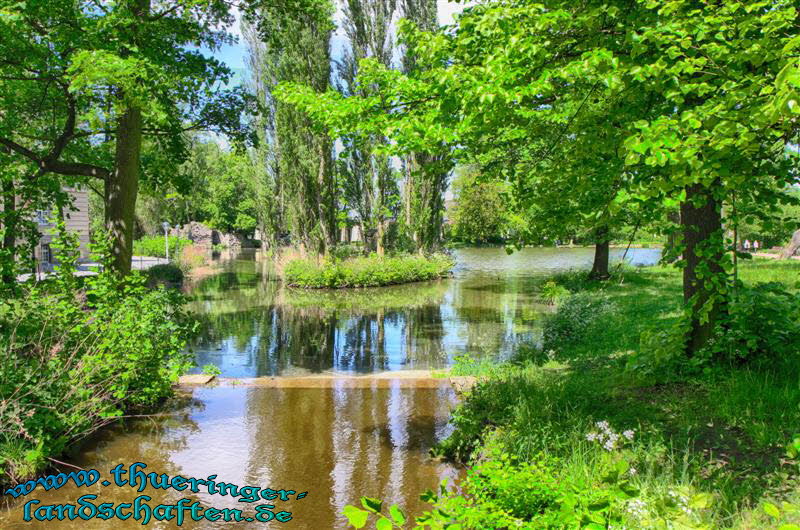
371	271
154	246
721	431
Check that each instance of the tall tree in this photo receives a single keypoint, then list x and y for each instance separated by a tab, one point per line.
299	50
426	170
369	181
105	76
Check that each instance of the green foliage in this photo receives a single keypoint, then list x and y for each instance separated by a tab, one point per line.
707	453
166	274
82	355
211	369
762	327
480	214
370	271
155	246
576	318
551	292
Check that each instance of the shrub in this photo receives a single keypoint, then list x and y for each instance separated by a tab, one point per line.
72	358
154	246
551	292
166	274
763	325
576	316
369	271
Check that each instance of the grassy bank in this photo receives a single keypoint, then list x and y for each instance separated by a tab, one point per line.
369	271
77	354
607	425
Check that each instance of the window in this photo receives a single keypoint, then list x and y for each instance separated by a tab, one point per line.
43	217
44	253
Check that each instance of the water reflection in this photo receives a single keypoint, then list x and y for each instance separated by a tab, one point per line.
337	442
253	326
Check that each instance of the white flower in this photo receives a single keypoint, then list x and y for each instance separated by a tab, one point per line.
592	436
632	471
628	434
636	507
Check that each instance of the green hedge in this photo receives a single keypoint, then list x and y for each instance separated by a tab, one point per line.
154	246
369	271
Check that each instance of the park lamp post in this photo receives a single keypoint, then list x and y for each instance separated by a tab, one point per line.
166	227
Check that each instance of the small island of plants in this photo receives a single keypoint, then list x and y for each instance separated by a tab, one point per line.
365	271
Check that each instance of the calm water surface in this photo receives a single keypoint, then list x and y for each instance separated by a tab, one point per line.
253	326
336	439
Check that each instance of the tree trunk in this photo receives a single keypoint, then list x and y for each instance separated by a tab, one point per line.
703	252
121	189
379	238
600	265
792	247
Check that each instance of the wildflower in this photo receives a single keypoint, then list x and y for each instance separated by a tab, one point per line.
628	434
636	507
632	471
592	436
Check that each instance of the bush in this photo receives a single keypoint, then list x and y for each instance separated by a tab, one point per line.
154	246
369	271
763	325
576	316
72	358
166	274
551	292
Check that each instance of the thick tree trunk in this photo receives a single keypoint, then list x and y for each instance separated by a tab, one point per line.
703	252
121	189
600	265
792	247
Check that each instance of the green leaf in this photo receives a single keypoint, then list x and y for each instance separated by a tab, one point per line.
397	514
383	524
372	505
355	516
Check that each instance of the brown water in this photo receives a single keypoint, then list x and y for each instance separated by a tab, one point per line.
337	442
335	438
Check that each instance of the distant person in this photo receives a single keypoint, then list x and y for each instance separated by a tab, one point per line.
755	245
747	244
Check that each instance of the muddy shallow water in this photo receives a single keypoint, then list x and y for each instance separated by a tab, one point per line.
336	438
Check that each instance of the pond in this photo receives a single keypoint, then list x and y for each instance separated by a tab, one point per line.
335	438
253	326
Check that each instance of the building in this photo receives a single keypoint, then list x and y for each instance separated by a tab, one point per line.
76	220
